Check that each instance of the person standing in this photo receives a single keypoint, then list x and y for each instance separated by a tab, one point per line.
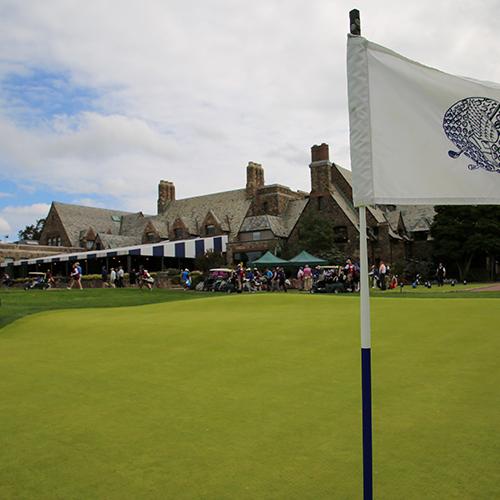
382	271
307	278
50	278
147	279
185	278
281	279
132	278
75	277
300	278
104	277
112	278
441	274
120	274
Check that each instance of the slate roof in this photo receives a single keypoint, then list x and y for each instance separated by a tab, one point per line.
133	224
392	217
280	226
76	218
417	217
118	241
230	207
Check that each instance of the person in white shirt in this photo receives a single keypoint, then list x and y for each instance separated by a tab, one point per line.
120	274
112	278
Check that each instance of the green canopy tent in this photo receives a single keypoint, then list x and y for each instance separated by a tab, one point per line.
304	258
270	260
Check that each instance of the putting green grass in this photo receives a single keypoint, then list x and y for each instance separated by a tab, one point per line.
246	397
16	303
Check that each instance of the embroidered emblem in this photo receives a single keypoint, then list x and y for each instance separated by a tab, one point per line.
473	125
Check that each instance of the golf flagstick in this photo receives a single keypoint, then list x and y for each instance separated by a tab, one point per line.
366	383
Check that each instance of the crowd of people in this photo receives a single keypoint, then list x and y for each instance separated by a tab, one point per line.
318	279
115	278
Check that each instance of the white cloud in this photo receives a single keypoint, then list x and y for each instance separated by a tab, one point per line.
4	227
5	195
191	91
16	217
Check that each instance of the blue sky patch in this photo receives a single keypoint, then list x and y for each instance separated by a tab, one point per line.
40	95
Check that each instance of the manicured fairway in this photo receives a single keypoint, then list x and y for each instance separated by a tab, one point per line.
250	397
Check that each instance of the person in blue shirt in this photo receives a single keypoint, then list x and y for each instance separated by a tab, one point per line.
185	278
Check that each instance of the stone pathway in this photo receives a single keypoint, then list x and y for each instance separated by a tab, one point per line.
489	288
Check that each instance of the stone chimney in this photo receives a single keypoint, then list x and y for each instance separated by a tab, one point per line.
166	194
255	178
321	169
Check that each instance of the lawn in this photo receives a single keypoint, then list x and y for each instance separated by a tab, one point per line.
250	397
16	303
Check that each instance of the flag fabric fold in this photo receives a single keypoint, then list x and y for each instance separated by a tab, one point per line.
419	135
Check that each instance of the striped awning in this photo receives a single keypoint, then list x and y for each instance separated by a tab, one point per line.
187	249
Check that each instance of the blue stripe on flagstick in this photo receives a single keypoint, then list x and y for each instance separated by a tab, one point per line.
366	379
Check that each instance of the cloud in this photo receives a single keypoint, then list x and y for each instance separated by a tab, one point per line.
191	91
5	195
16	217
4	227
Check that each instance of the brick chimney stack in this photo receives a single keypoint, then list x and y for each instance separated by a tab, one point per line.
255	178
321	169
166	194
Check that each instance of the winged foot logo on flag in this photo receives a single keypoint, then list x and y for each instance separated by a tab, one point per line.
473	125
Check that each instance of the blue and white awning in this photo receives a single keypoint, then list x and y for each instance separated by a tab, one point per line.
184	249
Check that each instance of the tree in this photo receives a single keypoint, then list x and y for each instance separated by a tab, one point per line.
463	232
32	232
209	260
316	236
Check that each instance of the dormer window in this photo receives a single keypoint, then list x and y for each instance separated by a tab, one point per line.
210	230
88	244
150	236
178	232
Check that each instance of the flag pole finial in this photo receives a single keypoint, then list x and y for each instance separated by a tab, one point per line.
355	22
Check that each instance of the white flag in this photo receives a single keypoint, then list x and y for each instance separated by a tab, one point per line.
418	135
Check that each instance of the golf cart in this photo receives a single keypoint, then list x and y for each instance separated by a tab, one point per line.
330	280
218	280
37	281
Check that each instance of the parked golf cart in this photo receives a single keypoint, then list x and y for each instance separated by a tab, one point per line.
37	281
217	280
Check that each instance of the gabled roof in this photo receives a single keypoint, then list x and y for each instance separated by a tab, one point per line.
133	224
159	224
76	217
229	207
417	217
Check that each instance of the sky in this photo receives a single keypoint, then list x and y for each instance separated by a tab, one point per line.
99	100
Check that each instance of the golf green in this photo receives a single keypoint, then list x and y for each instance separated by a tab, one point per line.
250	397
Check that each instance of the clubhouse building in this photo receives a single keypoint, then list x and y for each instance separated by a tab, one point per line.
243	223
